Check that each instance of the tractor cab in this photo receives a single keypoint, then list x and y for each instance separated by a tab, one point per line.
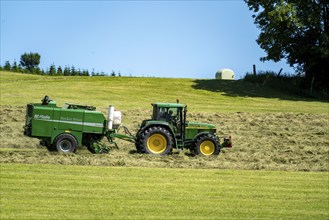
168	112
172	113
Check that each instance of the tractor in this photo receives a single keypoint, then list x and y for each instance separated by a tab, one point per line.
168	129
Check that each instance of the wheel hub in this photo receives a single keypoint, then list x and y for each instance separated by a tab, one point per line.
65	145
207	147
157	143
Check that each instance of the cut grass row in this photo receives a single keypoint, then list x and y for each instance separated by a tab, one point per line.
273	141
130	93
88	192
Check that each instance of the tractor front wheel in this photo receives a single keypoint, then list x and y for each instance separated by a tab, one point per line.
207	145
155	140
66	143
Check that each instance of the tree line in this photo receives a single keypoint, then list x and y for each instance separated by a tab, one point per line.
29	63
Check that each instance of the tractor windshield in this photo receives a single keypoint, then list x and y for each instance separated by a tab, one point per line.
168	114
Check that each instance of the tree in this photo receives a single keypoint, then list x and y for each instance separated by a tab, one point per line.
39	71
52	70
60	71
7	66
85	73
30	61
78	72
298	31
113	73
67	71
74	72
15	67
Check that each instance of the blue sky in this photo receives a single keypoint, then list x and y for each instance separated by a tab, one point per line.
188	39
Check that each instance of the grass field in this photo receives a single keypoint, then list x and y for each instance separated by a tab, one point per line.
129	93
273	132
76	192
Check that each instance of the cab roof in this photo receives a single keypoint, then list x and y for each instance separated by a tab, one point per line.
169	105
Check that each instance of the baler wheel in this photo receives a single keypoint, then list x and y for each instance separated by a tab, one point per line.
66	143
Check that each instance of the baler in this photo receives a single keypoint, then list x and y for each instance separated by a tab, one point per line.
74	125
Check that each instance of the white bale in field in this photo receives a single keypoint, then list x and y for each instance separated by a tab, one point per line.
227	74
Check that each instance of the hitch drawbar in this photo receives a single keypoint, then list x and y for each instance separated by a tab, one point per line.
111	134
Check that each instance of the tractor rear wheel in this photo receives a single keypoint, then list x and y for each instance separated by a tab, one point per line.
66	143
207	145
155	140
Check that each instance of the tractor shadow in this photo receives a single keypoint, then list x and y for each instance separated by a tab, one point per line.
132	152
240	88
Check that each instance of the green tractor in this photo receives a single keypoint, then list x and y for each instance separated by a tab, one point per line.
168	129
74	125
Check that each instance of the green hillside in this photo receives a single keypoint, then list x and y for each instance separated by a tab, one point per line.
130	93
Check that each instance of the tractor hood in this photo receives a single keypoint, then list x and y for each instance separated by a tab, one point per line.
199	125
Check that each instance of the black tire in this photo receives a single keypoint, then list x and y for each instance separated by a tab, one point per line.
207	145
51	148
137	143
138	148
66	143
155	140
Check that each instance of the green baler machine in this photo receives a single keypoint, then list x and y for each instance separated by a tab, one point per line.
64	129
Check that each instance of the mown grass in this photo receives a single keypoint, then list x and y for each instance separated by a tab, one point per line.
276	141
75	192
130	93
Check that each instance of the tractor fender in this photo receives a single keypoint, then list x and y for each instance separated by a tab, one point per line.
159	124
203	133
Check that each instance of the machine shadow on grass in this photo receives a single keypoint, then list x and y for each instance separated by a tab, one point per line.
187	153
240	88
